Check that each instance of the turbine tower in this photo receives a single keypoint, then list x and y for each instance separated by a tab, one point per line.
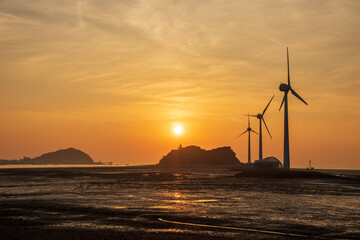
286	88
248	130
260	116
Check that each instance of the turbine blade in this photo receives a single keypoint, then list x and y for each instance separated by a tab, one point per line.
254	132
268	105
297	95
253	115
283	101
267	128
288	67
248	120
241	134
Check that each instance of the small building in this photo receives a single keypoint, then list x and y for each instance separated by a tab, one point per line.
269	163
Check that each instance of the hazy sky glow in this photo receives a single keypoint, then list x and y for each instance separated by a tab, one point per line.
112	78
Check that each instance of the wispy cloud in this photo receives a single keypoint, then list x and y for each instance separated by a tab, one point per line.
176	51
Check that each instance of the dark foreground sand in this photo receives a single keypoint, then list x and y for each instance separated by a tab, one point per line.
125	203
61	234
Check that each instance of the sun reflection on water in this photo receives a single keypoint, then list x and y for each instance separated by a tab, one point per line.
205	200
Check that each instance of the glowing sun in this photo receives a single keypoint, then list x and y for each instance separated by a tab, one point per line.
178	130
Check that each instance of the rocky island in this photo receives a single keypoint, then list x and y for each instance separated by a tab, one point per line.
64	156
194	155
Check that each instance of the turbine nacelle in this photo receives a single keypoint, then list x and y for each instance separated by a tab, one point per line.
284	87
259	116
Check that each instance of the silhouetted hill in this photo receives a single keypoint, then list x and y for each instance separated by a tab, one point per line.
64	156
194	155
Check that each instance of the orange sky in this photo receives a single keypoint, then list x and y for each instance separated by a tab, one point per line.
113	77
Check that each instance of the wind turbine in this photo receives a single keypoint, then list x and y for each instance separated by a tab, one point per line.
248	130
260	116
286	88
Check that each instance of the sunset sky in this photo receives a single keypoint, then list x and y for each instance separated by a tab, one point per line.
113	78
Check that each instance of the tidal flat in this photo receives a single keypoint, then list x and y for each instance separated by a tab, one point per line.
165	203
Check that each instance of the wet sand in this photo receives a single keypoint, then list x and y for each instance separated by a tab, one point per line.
150	203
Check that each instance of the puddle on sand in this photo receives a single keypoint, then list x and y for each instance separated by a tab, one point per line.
176	201
192	201
205	200
119	207
162	207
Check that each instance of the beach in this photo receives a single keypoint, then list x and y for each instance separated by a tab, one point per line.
164	203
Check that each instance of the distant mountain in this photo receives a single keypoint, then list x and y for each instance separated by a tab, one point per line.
194	155
64	156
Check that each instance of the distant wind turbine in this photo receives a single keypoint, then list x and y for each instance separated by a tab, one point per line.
248	130
260	116
286	88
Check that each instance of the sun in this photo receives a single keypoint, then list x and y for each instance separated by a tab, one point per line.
178	130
